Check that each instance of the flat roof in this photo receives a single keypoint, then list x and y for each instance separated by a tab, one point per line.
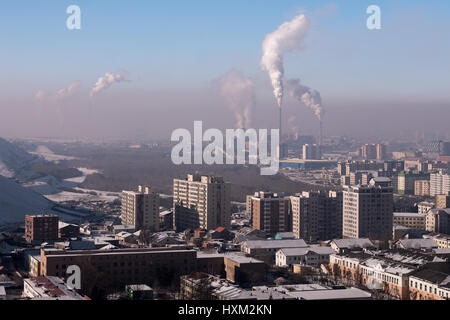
296	160
331	294
303	251
283	243
409	214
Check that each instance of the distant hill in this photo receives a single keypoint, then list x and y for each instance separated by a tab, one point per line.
13	158
17	201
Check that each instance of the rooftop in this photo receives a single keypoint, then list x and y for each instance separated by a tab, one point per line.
303	251
274	244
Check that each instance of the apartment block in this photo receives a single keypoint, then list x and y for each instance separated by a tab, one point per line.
311	152
141	209
422	188
201	201
439	183
317	215
438	220
406	181
443	200
411	220
367	210
43	227
270	212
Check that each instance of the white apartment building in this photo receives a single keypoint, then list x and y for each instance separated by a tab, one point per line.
367	210
141	209
201	201
439	183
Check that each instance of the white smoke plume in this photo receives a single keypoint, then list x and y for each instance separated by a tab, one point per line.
57	100
292	121
106	81
310	98
286	38
238	92
61	95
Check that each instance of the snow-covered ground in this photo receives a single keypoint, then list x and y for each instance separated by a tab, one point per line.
81	178
81	194
74	196
49	155
57	190
17	201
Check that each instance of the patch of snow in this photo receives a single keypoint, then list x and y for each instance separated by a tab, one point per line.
47	154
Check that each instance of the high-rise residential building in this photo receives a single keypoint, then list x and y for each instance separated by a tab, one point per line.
369	151
270	212
311	152
201	201
444	148
406	181
42	227
317	215
443	201
367	210
381	151
439	183
394	165
422	187
141	208
249	206
438	220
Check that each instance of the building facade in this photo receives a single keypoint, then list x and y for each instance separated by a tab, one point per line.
367	210
141	209
422	188
311	152
317	216
411	220
438	220
439	183
201	201
43	227
270	212
443	201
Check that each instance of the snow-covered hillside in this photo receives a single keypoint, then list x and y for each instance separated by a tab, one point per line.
17	201
13	158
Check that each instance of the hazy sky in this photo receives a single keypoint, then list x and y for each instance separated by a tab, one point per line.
379	83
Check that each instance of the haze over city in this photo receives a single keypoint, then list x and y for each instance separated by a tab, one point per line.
171	56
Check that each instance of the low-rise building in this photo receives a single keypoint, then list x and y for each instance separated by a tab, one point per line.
428	284
292	292
49	288
417	244
312	256
412	220
342	245
266	249
425	206
383	271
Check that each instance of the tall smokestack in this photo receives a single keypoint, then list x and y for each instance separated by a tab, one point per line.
281	135
320	133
